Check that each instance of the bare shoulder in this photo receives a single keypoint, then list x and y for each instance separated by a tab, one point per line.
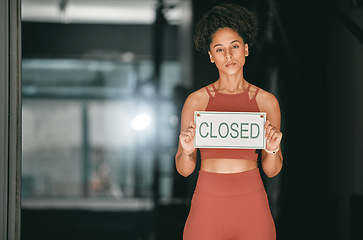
197	101
266	101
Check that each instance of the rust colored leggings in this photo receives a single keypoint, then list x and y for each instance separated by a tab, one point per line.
229	207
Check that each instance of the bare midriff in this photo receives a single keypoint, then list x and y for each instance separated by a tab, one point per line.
221	165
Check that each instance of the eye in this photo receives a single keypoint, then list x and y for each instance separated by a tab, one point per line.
235	46
219	50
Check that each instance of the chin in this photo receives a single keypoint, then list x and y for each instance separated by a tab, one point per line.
232	71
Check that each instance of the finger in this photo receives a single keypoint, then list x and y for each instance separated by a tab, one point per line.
191	127
191	134
269	131
272	133
190	131
187	135
276	137
267	123
192	124
273	137
268	127
185	139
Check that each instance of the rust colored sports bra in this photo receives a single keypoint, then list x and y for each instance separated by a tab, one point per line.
223	102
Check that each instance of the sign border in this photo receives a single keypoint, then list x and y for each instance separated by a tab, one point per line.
231	147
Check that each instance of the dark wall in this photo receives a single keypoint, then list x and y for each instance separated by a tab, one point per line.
345	101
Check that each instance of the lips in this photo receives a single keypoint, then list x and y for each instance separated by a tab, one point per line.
230	64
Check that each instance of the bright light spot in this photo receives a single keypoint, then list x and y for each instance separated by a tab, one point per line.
173	120
140	122
128	56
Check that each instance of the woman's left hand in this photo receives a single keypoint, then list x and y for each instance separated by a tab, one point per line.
273	136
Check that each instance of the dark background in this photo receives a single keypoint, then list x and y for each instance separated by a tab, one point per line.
316	53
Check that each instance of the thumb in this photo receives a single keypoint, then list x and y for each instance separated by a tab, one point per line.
267	123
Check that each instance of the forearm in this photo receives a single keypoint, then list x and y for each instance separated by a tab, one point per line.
272	164
185	163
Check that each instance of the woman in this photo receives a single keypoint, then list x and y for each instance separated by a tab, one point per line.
229	201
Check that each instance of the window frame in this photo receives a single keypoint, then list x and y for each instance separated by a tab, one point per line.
10	120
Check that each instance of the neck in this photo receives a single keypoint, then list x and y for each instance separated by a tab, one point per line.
232	83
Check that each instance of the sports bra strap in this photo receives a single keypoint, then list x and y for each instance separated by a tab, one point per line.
214	87
255	94
248	88
209	93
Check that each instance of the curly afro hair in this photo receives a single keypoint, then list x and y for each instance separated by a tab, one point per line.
233	16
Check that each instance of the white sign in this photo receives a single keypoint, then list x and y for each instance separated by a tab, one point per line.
230	130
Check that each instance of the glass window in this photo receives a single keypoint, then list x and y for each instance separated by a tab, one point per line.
89	131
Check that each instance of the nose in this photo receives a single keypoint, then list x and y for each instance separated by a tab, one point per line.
228	54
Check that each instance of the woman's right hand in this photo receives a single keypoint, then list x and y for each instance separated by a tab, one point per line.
186	138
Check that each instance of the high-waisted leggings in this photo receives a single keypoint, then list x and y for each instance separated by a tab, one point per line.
229	206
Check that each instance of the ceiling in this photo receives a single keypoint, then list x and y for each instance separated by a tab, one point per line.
99	11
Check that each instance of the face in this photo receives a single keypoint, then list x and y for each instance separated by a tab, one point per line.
228	51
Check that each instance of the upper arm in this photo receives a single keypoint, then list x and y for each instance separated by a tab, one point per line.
188	111
269	104
197	101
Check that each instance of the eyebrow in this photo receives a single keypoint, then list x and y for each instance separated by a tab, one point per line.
219	44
